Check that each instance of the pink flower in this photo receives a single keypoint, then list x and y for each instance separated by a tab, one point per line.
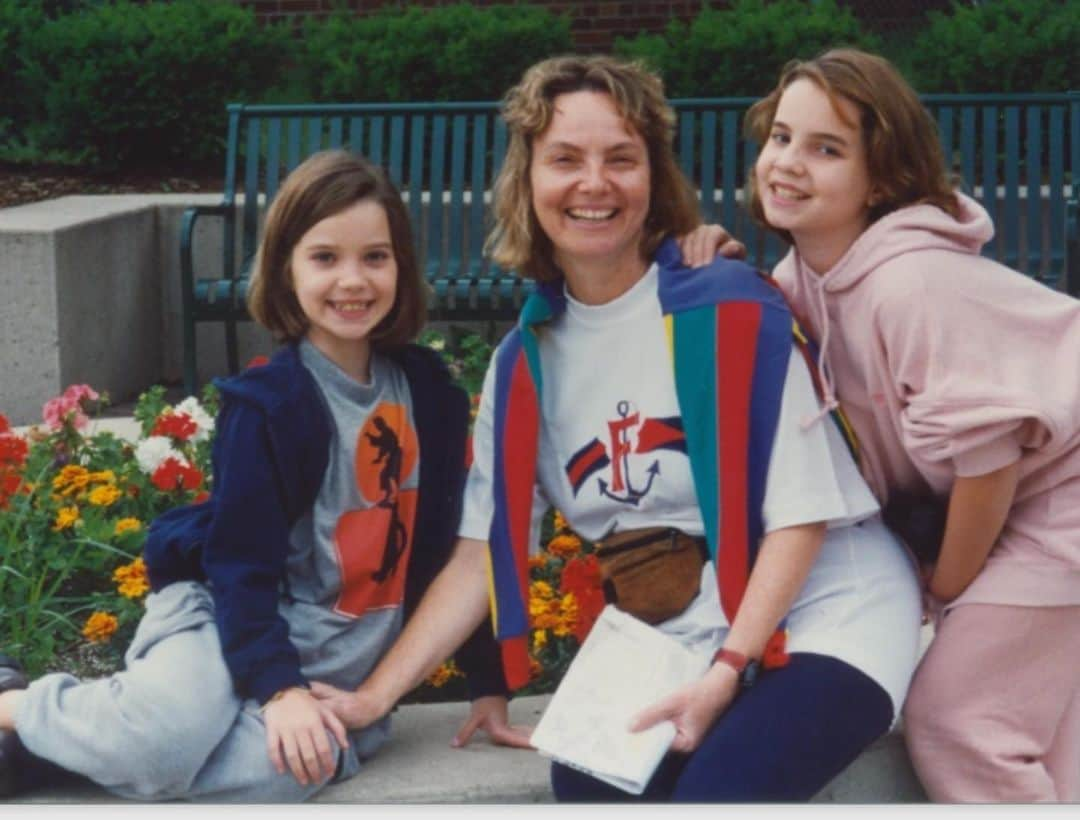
69	407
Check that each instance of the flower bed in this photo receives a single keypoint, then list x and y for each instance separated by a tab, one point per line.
74	509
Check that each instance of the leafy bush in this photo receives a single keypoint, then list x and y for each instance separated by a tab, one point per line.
17	19
1003	46
140	84
739	51
456	52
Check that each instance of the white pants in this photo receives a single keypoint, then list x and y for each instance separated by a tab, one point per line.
169	726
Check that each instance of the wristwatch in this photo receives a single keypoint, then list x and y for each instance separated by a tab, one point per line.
746	668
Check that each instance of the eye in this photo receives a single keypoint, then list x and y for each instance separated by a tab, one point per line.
780	137
377	257
623	161
322	257
829	150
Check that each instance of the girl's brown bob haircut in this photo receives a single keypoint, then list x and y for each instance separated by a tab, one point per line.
324	185
517	241
903	151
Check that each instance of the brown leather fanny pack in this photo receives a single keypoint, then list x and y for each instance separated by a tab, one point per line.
651	573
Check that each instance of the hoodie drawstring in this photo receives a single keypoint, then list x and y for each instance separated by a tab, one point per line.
829	402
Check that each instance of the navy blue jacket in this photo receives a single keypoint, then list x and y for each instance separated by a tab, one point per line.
271	451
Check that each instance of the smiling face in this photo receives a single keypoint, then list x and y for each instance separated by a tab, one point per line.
812	175
345	277
590	180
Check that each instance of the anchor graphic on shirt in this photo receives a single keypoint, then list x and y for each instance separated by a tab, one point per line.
621	447
651	434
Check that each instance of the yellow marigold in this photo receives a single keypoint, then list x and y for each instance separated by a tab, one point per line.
541	589
127	525
568	615
102	477
71	479
65	518
444	674
99	627
537	561
544	613
104	495
560	522
539	640
564	545
131	579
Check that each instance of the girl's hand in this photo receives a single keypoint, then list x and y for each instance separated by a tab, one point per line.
490	714
705	242
693	708
296	735
354	709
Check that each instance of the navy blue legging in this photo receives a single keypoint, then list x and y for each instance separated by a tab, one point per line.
781	740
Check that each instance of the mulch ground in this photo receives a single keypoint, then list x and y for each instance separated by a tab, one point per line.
20	185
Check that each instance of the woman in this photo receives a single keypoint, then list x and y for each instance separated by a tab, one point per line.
631	388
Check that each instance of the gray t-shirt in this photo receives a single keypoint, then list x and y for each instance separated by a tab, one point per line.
349	554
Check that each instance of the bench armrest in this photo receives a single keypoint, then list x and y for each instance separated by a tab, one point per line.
187	232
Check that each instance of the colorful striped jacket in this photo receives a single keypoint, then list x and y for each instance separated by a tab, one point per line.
729	402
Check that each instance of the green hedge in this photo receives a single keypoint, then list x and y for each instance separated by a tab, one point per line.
739	51
1000	46
456	52
121	83
18	19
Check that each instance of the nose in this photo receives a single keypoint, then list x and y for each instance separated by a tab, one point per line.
594	177
352	275
786	157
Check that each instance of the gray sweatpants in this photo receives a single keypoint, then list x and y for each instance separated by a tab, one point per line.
168	726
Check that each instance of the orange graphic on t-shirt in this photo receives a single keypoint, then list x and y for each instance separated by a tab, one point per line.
373	545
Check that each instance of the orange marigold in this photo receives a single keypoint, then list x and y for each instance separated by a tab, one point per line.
104	495
71	479
444	674
560	522
99	627
131	580
564	545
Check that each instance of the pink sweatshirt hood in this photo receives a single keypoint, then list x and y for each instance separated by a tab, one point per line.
950	364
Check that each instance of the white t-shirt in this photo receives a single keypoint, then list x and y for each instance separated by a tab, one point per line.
612	458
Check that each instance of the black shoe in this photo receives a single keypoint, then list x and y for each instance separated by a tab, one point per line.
11	674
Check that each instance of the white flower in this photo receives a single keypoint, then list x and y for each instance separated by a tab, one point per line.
437	343
203	420
152	451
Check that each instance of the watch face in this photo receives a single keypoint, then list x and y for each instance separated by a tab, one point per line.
749	675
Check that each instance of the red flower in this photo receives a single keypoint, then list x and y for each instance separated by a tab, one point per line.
581	576
258	361
13	450
201	497
175	475
175	425
9	485
5	425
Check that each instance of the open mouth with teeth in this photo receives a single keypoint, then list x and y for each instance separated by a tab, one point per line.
593	215
787	193
352	308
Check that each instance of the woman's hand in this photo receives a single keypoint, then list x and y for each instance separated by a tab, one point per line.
296	736
706	242
490	714
356	710
693	708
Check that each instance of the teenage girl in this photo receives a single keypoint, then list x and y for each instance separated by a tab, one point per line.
309	555
960	378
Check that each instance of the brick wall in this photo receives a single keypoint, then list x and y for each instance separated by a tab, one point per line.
595	23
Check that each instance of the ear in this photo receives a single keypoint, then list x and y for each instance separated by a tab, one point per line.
874	198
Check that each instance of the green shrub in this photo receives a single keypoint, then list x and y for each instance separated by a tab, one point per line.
739	51
1002	46
456	52
146	84
17	19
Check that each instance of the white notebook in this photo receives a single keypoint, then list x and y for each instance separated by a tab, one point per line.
623	666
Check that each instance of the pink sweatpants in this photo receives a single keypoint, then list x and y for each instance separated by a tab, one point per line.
993	714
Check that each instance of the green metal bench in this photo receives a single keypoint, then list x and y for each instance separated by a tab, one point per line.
1018	154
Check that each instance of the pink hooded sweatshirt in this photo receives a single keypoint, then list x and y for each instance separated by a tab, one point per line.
949	364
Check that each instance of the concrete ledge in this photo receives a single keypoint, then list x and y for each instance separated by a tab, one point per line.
418	766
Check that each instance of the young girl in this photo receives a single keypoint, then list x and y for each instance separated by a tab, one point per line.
337	475
960	378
